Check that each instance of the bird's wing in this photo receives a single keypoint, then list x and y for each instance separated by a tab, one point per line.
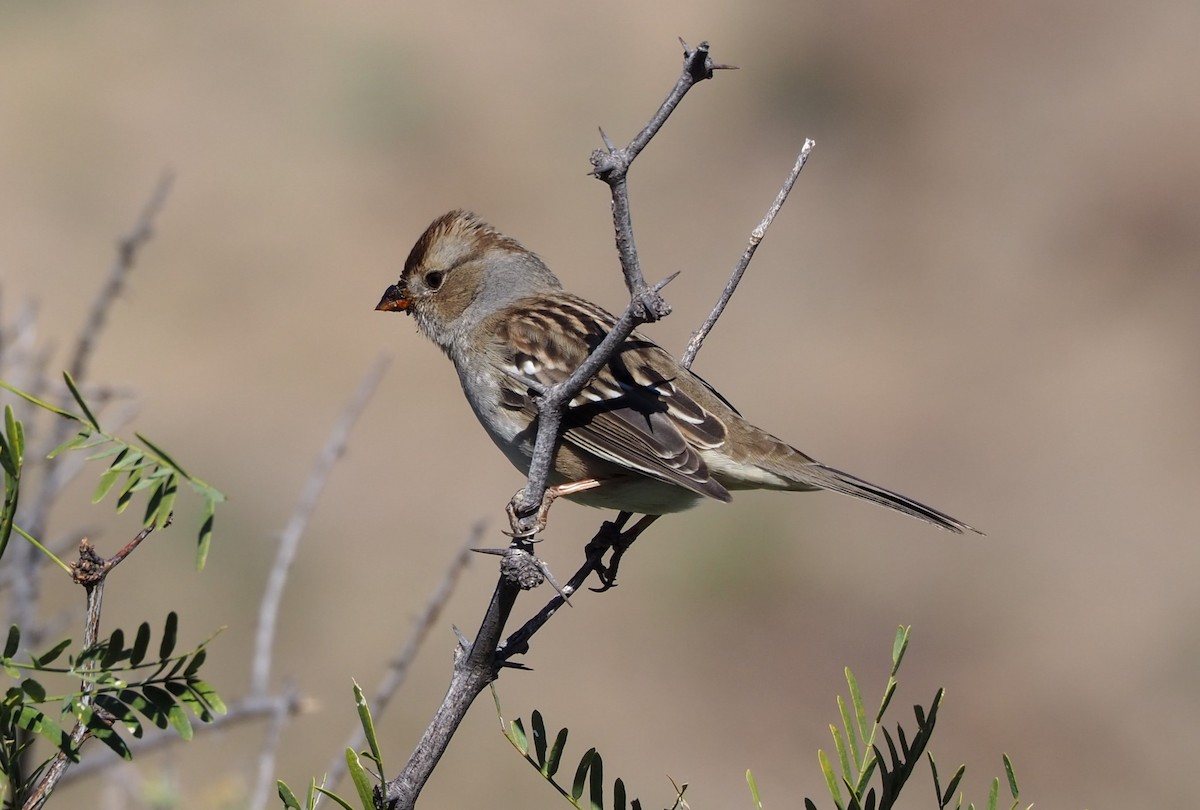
630	414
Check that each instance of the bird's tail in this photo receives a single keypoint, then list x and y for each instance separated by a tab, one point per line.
819	475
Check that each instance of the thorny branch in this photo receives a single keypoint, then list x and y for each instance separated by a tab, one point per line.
756	236
478	663
398	669
90	571
611	165
285	555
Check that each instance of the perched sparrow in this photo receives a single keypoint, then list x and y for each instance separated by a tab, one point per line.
645	435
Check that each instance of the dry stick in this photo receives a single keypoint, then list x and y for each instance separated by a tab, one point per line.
285	555
610	165
27	559
398	670
90	570
756	236
476	664
518	642
289	541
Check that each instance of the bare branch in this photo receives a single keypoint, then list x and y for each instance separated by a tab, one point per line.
397	671
289	541
264	784
25	558
478	663
612	166
475	666
756	236
127	251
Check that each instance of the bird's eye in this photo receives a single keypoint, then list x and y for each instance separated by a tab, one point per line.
433	279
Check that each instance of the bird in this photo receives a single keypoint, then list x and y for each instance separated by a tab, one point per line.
645	436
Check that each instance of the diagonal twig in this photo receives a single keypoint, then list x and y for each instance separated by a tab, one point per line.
398	670
756	236
285	555
610	165
289	541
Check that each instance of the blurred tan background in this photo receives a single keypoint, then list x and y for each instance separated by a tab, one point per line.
983	293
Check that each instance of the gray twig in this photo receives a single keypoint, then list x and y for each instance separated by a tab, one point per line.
397	671
128	247
756	236
289	541
476	665
283	707
25	558
611	165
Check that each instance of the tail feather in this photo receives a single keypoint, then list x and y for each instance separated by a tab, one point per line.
837	481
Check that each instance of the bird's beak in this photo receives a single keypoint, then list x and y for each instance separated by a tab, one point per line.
393	300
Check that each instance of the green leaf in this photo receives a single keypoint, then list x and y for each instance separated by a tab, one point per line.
194	665
36	692
619	794
754	795
286	796
596	782
831	780
156	714
952	785
114	650
170	636
162	455
41	404
1012	777
899	646
13	643
166	504
12	488
345	805
114	449
204	691
51	655
368	727
126	494
35	721
80	439
581	773
107	479
128	458
141	643
887	699
516	733
860	713
539	738
16	434
554	759
106	734
87	412
186	697
120	711
851	736
175	712
358	775
206	530
839	746
994	793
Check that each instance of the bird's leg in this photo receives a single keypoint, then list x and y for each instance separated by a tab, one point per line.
620	544
552	494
